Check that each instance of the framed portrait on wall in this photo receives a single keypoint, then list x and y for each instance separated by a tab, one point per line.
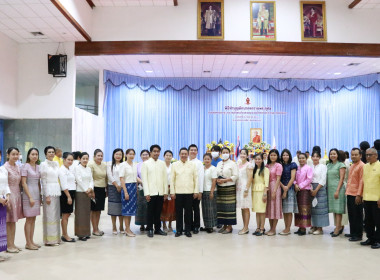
313	21
210	19
256	135
263	20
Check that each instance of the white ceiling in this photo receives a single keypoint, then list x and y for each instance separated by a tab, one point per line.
368	4
20	17
118	3
229	66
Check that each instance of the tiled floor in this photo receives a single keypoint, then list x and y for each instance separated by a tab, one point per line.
204	256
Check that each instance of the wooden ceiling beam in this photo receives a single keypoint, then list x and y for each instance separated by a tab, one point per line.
354	3
226	48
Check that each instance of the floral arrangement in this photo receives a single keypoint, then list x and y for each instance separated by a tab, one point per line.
226	144
258	148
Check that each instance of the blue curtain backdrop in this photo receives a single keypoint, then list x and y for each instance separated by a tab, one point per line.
175	113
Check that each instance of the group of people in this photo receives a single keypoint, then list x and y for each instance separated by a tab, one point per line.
273	185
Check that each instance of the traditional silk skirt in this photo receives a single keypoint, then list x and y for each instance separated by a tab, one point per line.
209	210
141	211
129	207
168	210
3	228
303	217
51	221
320	213
15	200
289	204
226	205
258	206
114	201
35	193
82	215
274	206
337	206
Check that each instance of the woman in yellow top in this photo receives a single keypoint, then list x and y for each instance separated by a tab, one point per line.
260	178
99	175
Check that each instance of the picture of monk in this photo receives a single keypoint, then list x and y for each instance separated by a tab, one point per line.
256	135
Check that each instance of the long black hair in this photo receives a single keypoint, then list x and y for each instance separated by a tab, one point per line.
277	153
290	156
261	171
113	157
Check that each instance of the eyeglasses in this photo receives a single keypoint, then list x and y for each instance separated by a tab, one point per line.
368	155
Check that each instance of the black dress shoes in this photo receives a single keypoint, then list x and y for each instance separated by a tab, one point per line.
65	240
196	230
348	235
354	239
82	238
188	234
219	226
150	233
209	230
367	243
160	232
178	234
376	245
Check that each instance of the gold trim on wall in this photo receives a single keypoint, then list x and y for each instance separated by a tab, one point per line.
199	21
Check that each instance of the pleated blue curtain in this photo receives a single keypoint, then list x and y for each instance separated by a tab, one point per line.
174	113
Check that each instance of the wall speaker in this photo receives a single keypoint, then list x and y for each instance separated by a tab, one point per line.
57	65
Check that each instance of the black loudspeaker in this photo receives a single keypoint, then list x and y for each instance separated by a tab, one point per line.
57	65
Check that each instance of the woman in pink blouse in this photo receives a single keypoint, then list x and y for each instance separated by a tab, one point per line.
304	177
14	211
274	204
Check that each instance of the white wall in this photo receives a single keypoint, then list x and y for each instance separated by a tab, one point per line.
81	12
8	77
180	23
39	94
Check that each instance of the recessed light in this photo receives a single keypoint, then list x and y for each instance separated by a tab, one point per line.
337	73
149	71
314	63
245	72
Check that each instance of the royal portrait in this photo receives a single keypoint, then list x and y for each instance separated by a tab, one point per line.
313	21
263	20
210	19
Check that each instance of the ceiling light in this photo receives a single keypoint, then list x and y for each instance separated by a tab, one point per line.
314	63
337	73
245	72
149	71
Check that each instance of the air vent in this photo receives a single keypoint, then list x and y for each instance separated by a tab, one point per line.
37	34
251	62
144	61
353	64
207	72
282	72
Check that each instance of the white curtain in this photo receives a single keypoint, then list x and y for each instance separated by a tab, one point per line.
88	132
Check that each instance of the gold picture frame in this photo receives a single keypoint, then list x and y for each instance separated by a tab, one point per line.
263	28
254	135
210	26
313	23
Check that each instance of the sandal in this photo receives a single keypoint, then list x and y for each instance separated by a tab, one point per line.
97	234
31	248
13	251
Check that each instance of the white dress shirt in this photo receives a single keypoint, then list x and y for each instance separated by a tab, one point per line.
113	175
319	174
128	172
83	178
67	178
201	173
184	178
4	187
210	173
154	177
295	160
228	169
49	178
